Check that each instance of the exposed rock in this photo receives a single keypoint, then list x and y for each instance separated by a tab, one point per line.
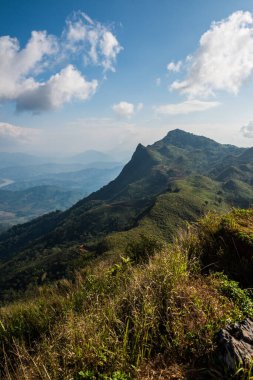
235	344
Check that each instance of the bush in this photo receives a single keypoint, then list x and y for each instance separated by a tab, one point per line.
143	248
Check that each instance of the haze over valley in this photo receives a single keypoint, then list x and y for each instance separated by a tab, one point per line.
31	186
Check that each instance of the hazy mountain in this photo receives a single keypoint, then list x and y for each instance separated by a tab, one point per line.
19	159
90	156
67	176
20	172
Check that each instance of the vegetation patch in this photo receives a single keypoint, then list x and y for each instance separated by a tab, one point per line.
123	317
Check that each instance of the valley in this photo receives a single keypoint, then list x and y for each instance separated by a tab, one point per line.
30	187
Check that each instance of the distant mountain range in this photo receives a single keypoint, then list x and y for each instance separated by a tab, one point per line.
176	179
90	156
8	159
14	159
54	184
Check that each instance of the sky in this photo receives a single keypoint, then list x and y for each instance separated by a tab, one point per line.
106	75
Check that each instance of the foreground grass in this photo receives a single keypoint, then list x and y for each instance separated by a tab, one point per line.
128	318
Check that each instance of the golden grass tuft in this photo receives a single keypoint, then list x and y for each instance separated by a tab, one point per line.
120	320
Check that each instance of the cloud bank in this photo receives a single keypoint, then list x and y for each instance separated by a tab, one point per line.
185	107
223	62
26	73
61	88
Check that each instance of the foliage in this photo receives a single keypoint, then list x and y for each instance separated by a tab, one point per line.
226	244
241	297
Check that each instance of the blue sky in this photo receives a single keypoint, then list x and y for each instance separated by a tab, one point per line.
95	74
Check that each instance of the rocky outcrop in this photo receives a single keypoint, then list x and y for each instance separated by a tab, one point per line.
235	344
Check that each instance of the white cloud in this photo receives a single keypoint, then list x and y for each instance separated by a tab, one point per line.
110	49
17	65
12	136
174	66
76	32
63	87
94	40
185	107
125	109
247	130
57	61
224	59
16	132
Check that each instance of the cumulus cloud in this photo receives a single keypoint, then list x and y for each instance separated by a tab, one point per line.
52	58
125	109
224	59
247	130
185	107
62	87
174	66
17	66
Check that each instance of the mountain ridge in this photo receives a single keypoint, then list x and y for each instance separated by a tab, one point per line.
161	187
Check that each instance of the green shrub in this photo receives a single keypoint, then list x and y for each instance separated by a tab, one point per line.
143	248
242	298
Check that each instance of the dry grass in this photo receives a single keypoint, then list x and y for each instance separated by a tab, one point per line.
120	321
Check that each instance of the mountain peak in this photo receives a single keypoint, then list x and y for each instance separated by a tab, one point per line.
182	139
140	147
178	132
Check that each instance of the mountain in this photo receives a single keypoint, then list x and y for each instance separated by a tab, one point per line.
19	159
25	172
90	156
176	179
84	181
8	159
